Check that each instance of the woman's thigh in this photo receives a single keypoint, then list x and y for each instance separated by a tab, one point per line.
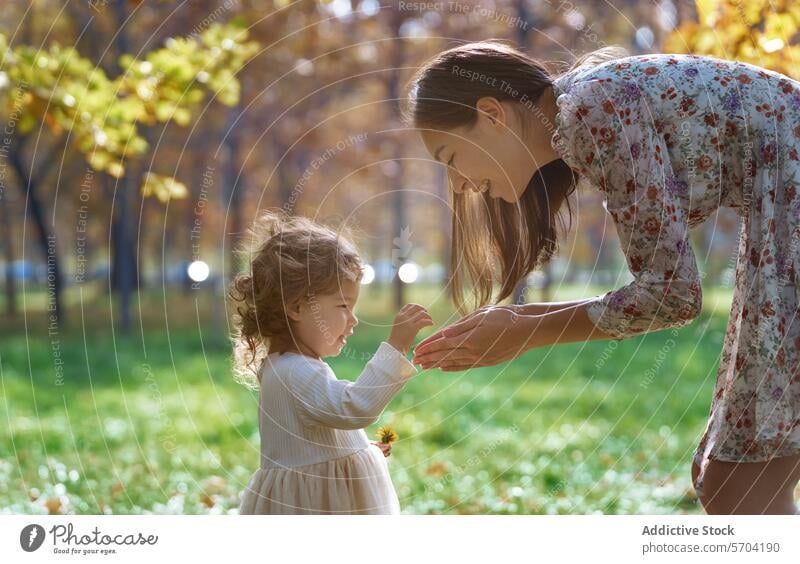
751	487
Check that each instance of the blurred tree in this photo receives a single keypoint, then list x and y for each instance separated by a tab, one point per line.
79	105
315	131
761	32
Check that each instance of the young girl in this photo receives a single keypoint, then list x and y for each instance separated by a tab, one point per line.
294	307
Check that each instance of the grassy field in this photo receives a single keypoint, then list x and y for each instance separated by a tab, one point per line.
152	422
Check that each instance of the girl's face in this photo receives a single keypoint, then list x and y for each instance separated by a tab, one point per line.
321	325
492	155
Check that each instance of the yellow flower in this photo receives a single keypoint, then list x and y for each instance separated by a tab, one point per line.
386	435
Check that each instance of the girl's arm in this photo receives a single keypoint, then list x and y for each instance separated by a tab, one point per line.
321	399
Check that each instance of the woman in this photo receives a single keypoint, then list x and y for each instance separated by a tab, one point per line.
668	139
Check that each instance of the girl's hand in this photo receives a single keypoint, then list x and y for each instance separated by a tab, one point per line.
386	448
410	319
487	336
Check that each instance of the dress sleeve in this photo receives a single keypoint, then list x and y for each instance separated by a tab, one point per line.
609	135
322	399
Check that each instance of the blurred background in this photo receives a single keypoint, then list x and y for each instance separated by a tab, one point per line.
139	139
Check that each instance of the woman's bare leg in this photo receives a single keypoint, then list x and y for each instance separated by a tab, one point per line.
750	488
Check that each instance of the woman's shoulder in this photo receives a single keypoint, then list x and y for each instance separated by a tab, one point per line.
621	78
592	98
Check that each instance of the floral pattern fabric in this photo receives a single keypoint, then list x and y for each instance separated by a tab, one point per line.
668	140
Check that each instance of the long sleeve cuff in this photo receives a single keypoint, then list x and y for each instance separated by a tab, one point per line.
603	318
636	309
394	362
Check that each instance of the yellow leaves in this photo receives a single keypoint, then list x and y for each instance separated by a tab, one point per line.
182	116
215	485
780	26
214	489
145	90
751	12
57	505
53	124
778	30
58	88
436	469
116	170
229	94
164	111
163	187
756	32
770	45
707	11
98	160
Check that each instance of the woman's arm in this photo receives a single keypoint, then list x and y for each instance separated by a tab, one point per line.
566	325
613	138
541	308
498	334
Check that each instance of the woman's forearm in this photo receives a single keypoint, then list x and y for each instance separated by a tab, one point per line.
567	325
496	334
541	308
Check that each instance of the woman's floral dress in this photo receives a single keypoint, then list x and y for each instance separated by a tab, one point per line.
669	139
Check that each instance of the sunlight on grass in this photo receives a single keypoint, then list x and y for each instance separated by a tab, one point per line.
155	424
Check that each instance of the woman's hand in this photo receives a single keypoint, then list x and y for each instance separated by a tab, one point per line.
487	336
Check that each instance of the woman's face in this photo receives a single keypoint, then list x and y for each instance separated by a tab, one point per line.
492	154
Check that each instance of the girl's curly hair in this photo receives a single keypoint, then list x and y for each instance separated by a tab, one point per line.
290	259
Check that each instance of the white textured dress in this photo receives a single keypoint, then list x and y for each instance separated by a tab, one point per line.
315	456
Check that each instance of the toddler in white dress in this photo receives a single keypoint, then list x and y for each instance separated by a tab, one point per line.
294	307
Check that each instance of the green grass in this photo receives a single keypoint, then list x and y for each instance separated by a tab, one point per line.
153	423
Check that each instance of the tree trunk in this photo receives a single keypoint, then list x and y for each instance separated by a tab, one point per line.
397	57
50	253
8	252
231	188
123	273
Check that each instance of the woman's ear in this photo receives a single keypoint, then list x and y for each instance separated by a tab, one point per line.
492	110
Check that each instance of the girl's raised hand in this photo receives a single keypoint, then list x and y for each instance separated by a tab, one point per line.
410	319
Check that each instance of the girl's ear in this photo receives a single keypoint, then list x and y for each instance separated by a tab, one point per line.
294	310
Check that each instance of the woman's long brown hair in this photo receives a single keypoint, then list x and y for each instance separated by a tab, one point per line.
487	232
